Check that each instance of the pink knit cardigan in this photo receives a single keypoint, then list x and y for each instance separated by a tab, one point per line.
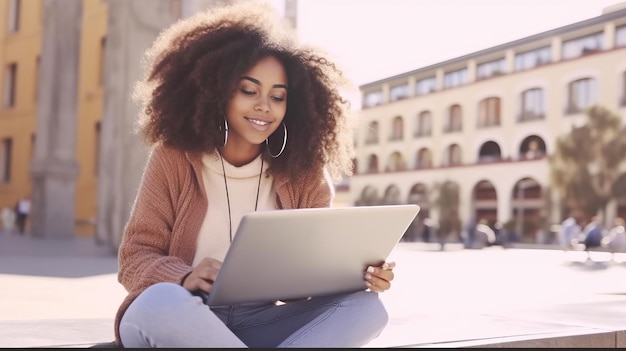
159	240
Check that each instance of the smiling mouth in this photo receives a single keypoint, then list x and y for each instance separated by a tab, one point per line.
258	122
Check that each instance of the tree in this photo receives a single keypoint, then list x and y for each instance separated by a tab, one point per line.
447	203
586	162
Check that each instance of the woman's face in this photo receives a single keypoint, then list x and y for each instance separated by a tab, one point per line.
258	105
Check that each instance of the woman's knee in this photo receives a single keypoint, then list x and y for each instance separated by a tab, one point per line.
371	312
161	296
378	308
370	305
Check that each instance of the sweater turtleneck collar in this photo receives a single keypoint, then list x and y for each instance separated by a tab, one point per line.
212	162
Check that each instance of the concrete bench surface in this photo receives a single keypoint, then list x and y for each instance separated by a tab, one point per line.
64	293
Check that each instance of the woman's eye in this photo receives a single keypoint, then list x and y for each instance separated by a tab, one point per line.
247	92
278	98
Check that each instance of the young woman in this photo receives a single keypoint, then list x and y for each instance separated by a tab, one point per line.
240	118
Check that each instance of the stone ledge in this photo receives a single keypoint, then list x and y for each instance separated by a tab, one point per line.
620	339
55	333
586	338
85	334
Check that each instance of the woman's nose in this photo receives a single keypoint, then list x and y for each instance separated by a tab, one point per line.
262	105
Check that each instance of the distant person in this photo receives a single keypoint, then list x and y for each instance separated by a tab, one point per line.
485	236
615	240
592	234
569	232
501	236
22	210
468	234
427	230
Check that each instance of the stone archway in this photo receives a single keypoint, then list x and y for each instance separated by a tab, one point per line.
418	195
526	210
485	201
489	152
369	197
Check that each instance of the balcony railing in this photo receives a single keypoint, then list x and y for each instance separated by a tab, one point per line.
530	116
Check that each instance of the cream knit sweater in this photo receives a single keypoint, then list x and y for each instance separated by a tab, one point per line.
232	194
159	240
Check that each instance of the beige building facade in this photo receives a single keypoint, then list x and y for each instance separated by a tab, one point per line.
488	121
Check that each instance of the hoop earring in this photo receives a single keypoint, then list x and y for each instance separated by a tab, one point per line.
225	132
284	143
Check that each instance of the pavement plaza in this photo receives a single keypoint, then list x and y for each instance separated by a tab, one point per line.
64	293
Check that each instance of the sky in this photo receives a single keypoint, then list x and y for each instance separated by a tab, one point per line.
376	39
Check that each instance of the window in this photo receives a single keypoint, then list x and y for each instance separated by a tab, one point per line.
489	112
103	43
489	152
425	86
532	105
37	71
581	46
399	92
396	163
10	80
397	129
372	133
454	123
455	78
14	15
620	36
533	58
372	164
424	124
582	94
533	147
6	147
623	102
424	159
454	155
96	158
490	69
33	140
373	99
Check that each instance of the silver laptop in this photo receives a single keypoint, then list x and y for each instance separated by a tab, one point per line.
285	254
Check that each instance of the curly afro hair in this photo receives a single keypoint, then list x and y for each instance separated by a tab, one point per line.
193	67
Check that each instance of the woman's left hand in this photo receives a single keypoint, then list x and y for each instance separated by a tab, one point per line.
379	279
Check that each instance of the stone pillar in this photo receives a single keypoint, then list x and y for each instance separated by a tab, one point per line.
556	203
291	13
54	168
133	26
507	204
190	7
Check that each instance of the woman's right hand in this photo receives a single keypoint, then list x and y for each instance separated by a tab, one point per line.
203	275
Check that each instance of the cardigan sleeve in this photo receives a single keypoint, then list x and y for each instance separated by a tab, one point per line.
315	189
144	251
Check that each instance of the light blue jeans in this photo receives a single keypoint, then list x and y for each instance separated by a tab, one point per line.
167	315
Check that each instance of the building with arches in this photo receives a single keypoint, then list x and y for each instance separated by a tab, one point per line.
486	122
